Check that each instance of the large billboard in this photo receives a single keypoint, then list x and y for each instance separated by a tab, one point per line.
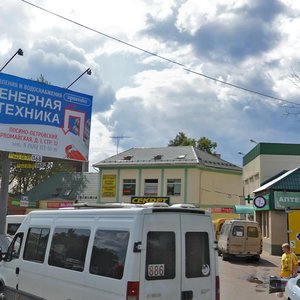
43	119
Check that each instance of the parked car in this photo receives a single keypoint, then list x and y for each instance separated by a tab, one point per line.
218	224
125	253
240	238
292	289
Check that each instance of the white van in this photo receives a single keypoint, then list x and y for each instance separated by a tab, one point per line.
13	222
240	238
130	253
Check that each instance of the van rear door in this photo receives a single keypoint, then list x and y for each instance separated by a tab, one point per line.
253	239
198	258
178	262
237	238
160	276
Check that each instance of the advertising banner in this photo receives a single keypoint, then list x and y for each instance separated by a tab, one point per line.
109	186
42	119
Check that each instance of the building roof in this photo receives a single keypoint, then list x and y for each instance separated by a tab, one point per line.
174	155
289	181
271	149
82	187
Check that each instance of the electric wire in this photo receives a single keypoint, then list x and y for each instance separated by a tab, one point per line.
161	57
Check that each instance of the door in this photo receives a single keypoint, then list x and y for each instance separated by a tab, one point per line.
253	239
294	230
11	267
237	239
160	276
198	258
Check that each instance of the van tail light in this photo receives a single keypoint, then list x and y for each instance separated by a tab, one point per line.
133	290
218	288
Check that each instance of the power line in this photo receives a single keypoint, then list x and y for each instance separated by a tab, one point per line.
161	57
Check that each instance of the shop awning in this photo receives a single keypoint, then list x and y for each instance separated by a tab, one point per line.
243	209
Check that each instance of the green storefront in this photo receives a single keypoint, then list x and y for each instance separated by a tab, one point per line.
277	205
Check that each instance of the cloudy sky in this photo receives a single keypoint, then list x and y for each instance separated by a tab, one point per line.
250	43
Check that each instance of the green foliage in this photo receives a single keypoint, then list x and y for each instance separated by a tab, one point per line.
203	143
182	140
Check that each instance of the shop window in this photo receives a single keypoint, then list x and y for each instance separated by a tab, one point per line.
68	248
129	186
174	187
151	187
109	253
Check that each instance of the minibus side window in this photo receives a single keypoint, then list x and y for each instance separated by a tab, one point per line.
252	232
109	253
197	254
15	247
68	248
238	231
36	244
160	255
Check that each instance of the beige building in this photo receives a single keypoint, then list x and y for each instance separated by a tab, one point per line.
183	174
264	167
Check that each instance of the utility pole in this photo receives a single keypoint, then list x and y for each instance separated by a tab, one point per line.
118	138
4	190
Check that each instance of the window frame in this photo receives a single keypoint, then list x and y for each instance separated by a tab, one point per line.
117	271
133	183
37	246
60	229
150	184
176	183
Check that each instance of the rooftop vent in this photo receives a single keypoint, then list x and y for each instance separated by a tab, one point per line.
182	156
128	157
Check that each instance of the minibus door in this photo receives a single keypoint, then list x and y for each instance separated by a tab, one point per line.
198	259
11	267
160	276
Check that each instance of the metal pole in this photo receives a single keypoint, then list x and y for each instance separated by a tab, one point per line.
4	191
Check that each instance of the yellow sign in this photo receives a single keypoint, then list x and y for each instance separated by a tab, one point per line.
143	200
109	185
24	156
25	166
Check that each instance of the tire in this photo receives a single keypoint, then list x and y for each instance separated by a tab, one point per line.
256	258
225	256
2	295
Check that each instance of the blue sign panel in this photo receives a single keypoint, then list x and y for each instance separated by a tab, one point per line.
42	119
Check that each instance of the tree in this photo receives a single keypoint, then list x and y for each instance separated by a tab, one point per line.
206	145
203	143
182	140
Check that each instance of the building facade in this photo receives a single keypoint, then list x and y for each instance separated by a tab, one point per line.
268	170
182	174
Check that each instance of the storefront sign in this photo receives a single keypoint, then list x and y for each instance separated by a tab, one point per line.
285	200
143	200
260	202
24	202
59	204
109	186
222	210
44	120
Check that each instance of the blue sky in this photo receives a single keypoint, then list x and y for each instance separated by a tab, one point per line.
252	43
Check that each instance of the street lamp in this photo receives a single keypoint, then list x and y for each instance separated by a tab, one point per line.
19	52
87	71
253	141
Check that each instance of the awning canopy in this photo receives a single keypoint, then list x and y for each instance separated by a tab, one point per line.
243	209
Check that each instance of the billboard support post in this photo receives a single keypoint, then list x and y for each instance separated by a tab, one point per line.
4	190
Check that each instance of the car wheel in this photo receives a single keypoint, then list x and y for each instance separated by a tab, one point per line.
256	258
225	256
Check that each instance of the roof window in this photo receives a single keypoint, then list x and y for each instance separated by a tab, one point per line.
182	156
158	157
128	157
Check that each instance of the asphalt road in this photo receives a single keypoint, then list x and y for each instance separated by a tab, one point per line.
246	280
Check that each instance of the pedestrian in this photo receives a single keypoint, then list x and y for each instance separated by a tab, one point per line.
289	263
